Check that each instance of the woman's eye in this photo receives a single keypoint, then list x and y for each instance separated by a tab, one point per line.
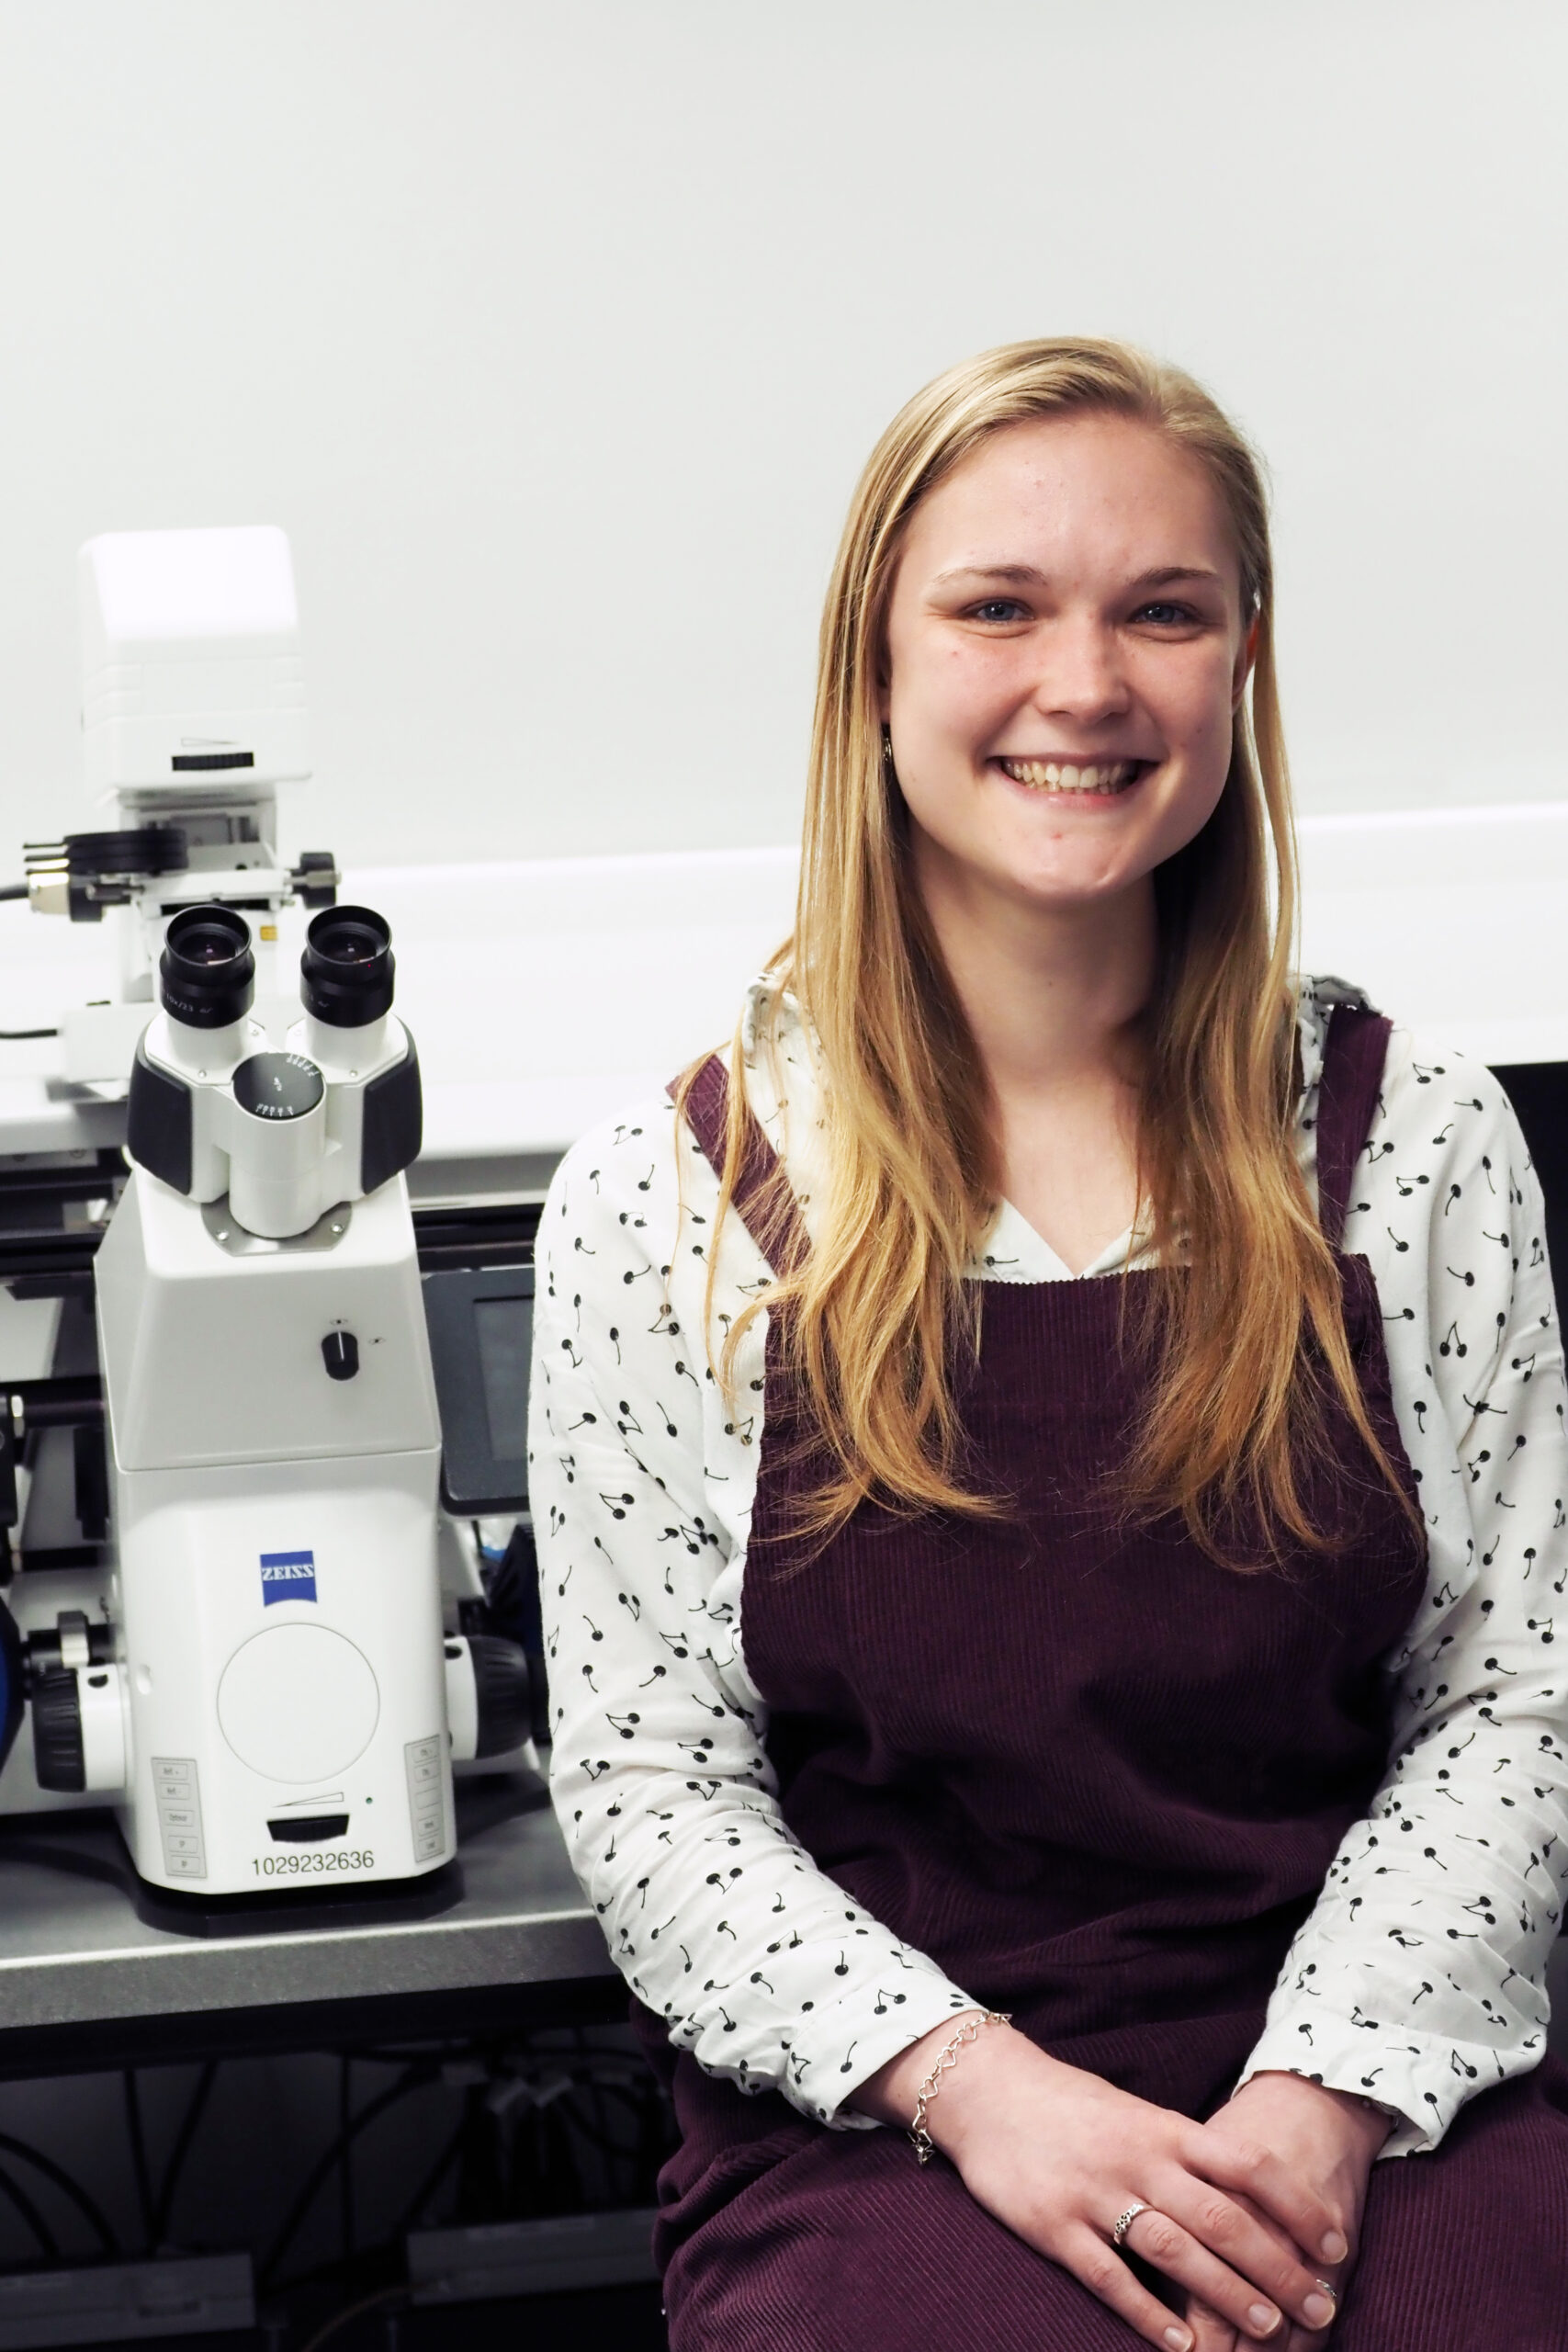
998	608
1165	616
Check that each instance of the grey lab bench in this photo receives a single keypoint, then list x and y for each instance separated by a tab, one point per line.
97	1972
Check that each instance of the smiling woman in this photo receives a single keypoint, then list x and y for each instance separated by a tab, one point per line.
1048	1461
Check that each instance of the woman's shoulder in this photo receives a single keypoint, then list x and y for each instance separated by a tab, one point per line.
615	1190
1432	1097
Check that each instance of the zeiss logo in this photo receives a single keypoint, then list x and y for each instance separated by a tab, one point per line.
288	1576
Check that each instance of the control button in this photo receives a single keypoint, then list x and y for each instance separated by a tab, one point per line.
178	1806
340	1354
427	1812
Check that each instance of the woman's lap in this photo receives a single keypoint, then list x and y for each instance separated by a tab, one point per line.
1469	2246
846	2245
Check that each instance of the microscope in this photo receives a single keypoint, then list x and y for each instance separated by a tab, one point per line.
262	1675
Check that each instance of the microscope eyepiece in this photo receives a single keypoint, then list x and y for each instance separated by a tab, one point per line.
207	973
346	970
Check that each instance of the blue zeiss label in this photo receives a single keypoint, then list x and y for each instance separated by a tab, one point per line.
288	1576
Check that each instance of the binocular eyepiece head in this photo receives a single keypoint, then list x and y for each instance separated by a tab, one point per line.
346	973
207	972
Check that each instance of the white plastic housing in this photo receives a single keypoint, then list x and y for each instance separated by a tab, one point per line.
190	650
212	1358
279	1593
101	1704
281	1176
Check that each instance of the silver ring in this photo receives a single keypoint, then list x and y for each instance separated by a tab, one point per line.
1125	2220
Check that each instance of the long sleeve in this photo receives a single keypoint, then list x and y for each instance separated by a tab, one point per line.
1418	1977
640	1480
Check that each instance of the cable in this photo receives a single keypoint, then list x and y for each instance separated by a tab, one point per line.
14	890
19	1037
387	2299
48	2244
142	2170
345	2159
415	2079
164	2211
91	2212
429	2185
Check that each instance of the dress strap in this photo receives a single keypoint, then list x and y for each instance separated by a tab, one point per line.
1348	1093
768	1208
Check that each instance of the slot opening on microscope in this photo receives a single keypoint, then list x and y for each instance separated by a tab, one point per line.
306	1828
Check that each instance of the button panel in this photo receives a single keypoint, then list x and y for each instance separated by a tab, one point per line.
178	1801
427	1813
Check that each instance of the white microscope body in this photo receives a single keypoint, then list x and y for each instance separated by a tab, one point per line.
275	1444
260	1682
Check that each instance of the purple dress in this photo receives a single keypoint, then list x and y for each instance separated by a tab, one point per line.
1100	1781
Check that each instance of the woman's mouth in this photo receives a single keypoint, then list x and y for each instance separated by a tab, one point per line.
1106	777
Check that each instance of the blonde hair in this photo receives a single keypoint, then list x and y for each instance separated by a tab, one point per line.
1246	1317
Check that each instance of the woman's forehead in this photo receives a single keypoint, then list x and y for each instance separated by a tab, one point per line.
1098	488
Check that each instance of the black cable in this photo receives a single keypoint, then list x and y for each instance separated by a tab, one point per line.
429	2185
164	2214
19	1037
14	890
345	2159
141	2169
91	2212
415	2079
15	2195
388	2299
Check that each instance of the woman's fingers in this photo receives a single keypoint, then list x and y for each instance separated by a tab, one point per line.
1095	2264
1209	2332
1239	2247
1155	2238
1257	2172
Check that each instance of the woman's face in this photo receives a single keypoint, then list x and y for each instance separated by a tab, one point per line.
1065	651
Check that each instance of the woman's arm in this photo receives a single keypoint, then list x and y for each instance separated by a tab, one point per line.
640	1482
1418	1978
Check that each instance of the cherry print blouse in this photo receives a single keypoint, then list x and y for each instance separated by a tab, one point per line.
1418	1979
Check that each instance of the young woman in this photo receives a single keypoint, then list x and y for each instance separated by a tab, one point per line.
1049	1469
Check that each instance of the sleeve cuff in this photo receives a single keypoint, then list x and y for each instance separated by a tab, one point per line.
822	2084
1413	2078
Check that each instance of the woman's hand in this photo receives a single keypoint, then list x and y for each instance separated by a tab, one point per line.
1326	2141
1057	2155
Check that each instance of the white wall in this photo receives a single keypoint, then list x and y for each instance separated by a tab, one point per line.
555	337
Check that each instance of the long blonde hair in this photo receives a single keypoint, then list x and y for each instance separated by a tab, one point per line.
1250	1337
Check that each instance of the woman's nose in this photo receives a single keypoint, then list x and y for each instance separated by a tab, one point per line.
1081	674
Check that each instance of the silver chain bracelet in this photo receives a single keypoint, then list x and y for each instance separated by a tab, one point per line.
970	2031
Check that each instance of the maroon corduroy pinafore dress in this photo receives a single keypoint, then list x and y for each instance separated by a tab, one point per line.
1100	1779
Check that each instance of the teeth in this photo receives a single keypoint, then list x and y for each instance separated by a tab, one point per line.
1049	775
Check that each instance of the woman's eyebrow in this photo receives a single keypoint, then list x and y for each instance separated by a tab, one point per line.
1027	576
1016	572
1168	574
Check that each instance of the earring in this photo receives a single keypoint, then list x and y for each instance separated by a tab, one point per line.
886	746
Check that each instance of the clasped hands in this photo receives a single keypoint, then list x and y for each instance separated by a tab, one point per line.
1253	2215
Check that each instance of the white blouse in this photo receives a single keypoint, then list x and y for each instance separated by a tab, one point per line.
1418	1979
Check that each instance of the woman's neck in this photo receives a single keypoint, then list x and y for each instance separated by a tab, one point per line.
1052	995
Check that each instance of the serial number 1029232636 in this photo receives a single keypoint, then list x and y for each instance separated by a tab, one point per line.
313	1862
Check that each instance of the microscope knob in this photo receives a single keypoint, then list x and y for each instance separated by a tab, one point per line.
340	1354
59	1757
503	1694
